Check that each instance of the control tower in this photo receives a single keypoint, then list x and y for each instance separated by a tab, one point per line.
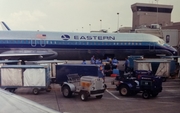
147	14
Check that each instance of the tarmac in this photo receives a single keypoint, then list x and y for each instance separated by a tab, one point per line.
167	101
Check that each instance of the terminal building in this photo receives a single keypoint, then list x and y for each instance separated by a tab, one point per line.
155	19
147	14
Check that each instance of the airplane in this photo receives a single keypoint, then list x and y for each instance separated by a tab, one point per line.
12	103
43	45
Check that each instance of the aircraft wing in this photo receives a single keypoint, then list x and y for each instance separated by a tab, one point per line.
24	56
16	55
11	103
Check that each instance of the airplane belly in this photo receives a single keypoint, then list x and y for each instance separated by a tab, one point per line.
28	54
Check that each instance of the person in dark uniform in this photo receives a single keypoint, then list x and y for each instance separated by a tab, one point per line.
114	63
93	60
84	62
101	73
116	71
126	64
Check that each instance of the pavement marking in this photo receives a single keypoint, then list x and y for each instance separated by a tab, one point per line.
170	86
170	97
112	94
166	102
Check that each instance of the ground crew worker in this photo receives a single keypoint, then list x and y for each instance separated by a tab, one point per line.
114	63
108	59
101	73
98	61
84	62
127	65
92	59
116	71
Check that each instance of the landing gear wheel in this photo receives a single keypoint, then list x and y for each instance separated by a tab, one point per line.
84	95
35	91
146	95
99	96
66	91
124	90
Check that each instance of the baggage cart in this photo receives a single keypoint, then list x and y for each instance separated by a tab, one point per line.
50	64
26	76
159	67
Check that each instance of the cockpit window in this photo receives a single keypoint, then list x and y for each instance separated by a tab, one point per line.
161	42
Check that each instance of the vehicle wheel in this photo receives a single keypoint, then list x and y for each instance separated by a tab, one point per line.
134	93
145	95
99	96
105	86
35	91
155	94
13	90
84	95
164	79
124	90
66	91
48	89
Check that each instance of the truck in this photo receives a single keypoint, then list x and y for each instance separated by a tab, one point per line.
80	79
141	81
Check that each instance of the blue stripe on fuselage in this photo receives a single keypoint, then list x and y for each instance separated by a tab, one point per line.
72	44
59	44
77	44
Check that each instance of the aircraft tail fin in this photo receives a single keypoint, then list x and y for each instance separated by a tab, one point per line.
4	26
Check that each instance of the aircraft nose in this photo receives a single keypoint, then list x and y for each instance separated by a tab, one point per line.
175	53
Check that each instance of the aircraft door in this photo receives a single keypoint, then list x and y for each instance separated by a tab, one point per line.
33	42
43	43
151	46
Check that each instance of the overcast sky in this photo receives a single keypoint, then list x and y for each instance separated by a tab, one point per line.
73	15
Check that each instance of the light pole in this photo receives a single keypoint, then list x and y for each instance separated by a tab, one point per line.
118	21
157	11
90	27
100	24
109	29
82	29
